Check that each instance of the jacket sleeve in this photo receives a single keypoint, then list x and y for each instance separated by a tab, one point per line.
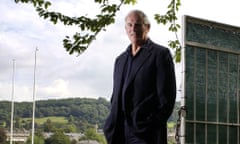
166	86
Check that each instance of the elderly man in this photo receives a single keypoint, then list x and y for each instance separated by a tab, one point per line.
144	88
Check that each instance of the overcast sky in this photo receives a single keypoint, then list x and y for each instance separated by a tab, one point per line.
60	75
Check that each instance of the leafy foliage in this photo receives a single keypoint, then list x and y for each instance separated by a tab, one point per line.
171	17
90	111
48	126
80	114
58	138
90	27
37	140
174	115
91	134
3	136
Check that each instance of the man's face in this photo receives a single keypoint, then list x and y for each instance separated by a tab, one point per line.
136	29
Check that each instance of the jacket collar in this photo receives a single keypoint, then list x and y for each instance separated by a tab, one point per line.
146	45
139	61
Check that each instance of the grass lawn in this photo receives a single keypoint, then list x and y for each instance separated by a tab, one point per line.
53	119
171	125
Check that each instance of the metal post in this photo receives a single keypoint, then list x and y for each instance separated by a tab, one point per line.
12	109
183	104
34	79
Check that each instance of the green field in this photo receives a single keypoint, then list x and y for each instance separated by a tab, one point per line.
53	119
171	125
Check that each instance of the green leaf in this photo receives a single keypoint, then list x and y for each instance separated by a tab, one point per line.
90	27
47	4
130	2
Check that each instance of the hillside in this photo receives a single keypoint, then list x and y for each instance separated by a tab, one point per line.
81	111
92	111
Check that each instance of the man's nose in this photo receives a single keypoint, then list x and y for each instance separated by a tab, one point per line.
134	28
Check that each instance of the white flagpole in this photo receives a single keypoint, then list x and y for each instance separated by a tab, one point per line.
33	114
12	109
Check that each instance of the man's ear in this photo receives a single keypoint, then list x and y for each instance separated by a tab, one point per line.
148	27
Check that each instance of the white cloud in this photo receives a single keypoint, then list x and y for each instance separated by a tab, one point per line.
57	89
19	92
60	75
224	11
6	93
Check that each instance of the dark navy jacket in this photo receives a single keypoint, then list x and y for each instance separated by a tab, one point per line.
151	87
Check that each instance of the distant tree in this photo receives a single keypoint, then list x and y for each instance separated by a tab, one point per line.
82	125
74	141
82	112
175	116
3	136
48	126
8	122
37	140
91	134
58	138
2	123
18	123
71	119
27	124
70	128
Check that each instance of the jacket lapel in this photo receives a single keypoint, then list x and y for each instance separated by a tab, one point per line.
120	71
145	53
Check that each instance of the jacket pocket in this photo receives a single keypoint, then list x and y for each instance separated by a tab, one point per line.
143	114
